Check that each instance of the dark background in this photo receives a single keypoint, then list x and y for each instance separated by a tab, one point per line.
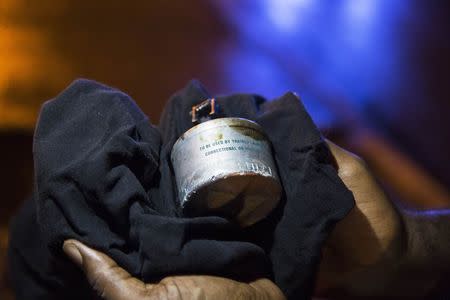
375	75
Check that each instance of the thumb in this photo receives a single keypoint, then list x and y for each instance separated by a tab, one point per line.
109	280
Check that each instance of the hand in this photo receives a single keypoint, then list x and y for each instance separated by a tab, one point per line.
364	247
112	282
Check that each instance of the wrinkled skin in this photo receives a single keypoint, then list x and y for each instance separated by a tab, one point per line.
364	247
112	282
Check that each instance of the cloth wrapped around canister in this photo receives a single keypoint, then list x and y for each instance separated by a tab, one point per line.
103	176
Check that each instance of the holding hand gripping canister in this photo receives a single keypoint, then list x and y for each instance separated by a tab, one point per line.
225	167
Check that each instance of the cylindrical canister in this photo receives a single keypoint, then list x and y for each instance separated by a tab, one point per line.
225	167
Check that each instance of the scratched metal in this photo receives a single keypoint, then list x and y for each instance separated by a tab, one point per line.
220	149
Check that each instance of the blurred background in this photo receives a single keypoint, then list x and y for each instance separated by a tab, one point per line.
374	74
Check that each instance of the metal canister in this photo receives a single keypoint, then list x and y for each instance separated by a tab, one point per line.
225	167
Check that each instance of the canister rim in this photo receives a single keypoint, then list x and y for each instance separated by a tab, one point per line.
242	122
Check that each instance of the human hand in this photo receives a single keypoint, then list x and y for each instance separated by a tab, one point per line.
364	248
112	282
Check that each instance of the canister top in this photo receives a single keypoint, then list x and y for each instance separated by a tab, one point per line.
221	122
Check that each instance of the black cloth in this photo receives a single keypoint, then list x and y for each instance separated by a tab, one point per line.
103	176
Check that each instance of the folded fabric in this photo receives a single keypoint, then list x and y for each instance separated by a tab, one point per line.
103	176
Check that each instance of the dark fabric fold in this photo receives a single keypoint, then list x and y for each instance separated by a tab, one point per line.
103	176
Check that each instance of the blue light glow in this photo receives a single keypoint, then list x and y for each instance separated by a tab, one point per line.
360	10
339	50
430	212
286	14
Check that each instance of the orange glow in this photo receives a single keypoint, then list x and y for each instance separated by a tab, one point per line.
26	60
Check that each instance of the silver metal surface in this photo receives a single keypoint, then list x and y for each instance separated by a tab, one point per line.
225	167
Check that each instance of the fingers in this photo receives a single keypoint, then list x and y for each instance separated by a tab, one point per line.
373	227
113	283
343	156
338	152
268	289
351	168
195	287
108	279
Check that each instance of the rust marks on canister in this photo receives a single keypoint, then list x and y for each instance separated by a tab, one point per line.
209	137
250	132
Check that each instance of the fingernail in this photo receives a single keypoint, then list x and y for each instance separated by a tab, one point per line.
72	251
